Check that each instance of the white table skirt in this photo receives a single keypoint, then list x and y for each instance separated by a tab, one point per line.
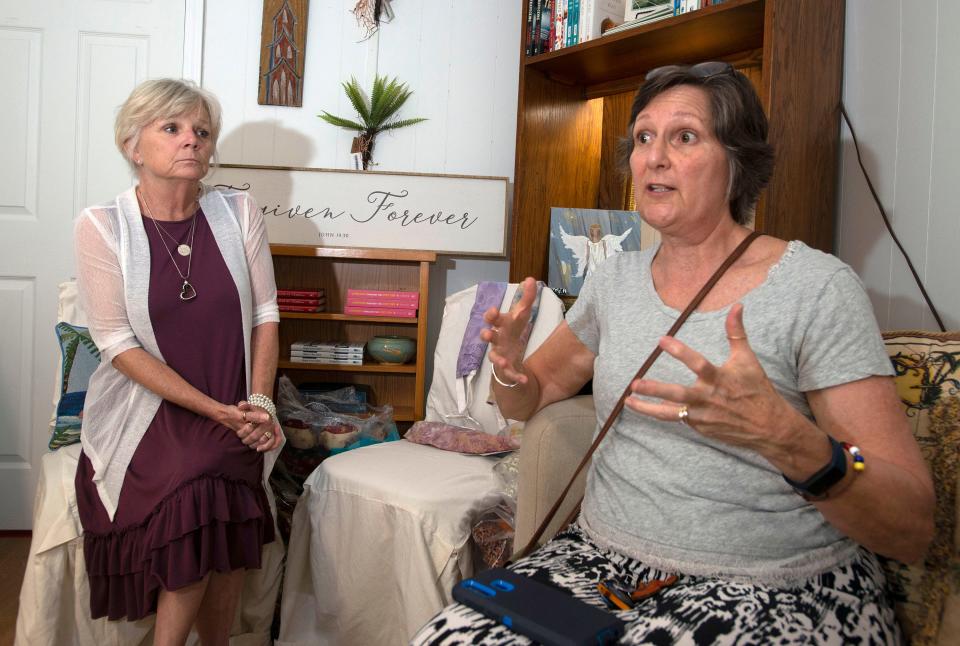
379	539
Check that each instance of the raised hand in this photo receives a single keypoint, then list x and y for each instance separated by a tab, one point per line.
507	335
733	403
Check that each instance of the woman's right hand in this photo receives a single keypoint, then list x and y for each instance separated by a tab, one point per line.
246	421
507	335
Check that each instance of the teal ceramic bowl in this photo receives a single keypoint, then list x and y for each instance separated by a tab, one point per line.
392	349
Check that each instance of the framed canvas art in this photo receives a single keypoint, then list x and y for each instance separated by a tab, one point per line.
283	40
581	239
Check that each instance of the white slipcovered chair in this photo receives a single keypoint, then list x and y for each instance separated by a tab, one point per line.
381	534
55	596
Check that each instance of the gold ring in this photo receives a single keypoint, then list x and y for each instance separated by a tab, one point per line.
244	414
737	338
268	435
683	414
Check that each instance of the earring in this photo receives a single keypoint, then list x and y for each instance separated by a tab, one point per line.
139	162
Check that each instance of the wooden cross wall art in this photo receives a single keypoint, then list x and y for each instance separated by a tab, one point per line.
283	40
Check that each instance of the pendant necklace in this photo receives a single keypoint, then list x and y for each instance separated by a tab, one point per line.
187	291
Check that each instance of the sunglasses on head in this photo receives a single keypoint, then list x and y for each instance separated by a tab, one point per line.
700	70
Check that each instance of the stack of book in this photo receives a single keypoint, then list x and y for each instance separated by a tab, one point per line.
301	300
327	352
643	12
390	303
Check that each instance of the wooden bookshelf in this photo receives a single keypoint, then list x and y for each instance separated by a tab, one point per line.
574	105
334	270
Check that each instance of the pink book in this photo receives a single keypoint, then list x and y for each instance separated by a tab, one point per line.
381	303
385	295
300	301
404	313
299	293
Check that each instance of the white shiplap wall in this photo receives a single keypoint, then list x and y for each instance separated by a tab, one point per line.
459	58
902	91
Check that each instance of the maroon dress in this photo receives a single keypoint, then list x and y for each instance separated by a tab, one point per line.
192	501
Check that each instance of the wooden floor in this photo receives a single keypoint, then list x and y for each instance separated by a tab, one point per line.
13	560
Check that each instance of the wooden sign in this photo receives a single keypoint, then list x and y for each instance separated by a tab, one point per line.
449	214
283	40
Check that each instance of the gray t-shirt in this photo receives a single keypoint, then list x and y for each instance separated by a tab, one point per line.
663	493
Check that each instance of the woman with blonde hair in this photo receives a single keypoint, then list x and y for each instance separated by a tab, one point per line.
177	280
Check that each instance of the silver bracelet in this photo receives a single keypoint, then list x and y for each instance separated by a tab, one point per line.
265	403
493	371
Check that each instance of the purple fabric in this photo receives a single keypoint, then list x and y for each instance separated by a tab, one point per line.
192	500
472	348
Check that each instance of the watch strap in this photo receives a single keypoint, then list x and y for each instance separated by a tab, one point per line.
816	486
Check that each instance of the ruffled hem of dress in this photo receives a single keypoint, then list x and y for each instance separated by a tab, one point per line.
207	524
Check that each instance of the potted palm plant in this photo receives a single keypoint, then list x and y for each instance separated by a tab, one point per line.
375	114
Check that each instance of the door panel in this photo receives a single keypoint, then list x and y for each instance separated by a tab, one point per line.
68	65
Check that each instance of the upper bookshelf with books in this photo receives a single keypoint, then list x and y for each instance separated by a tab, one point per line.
713	32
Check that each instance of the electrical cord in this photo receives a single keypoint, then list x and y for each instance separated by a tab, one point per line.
886	221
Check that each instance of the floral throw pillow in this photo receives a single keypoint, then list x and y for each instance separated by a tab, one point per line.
80	357
927	379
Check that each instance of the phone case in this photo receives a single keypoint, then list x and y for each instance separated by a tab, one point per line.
542	613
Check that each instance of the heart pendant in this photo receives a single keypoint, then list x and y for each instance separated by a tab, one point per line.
187	292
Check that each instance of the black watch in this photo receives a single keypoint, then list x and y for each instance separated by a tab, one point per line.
816	486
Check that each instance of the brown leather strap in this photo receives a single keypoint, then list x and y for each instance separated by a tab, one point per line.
626	393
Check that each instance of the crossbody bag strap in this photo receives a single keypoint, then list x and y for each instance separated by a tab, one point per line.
626	393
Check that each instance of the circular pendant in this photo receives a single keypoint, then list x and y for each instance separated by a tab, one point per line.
184	250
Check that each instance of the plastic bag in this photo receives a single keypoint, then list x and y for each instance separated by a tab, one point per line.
318	425
493	534
494	529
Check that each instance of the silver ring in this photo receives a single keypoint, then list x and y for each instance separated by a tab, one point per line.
683	414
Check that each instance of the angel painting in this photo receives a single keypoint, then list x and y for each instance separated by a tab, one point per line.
589	251
581	239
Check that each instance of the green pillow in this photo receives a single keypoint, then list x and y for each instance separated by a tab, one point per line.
80	358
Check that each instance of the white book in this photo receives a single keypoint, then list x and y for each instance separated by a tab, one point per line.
593	13
326	346
637	9
332	355
346	362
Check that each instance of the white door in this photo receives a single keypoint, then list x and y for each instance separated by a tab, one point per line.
65	67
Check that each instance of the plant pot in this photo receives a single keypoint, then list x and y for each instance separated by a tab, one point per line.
363	144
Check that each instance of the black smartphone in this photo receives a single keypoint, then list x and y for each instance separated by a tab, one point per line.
536	610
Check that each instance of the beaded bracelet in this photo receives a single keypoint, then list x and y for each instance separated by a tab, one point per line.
265	403
858	463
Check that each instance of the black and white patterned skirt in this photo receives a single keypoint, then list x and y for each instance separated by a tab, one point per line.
847	605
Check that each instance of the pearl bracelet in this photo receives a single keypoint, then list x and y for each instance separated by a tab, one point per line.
265	403
493	371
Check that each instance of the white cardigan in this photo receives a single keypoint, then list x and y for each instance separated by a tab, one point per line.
113	275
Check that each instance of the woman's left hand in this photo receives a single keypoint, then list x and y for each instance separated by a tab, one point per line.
262	436
733	403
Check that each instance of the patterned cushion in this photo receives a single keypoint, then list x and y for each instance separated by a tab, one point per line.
927	378
80	357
